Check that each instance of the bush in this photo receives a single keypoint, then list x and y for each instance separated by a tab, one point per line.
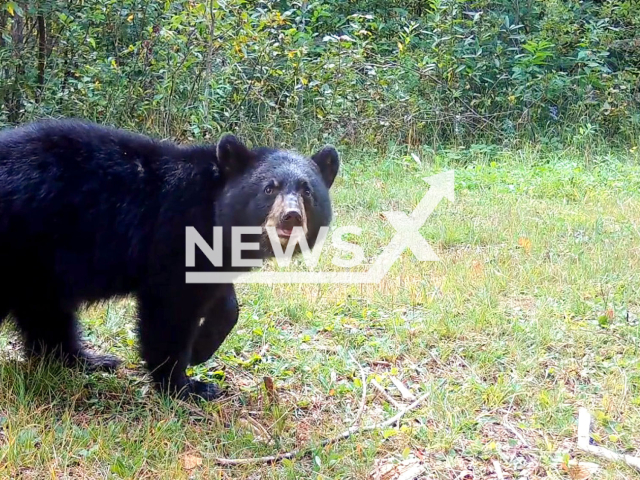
373	71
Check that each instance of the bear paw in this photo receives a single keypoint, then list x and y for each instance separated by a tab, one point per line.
93	362
202	390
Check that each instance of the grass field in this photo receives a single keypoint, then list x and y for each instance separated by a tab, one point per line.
531	313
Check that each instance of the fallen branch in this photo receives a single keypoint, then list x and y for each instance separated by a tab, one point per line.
584	435
389	398
328	441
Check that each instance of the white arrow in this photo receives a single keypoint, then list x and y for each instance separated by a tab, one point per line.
407	227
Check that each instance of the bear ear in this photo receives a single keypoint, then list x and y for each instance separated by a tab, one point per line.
328	161
233	156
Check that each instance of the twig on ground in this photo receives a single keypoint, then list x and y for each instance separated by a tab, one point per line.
498	469
364	391
389	398
381	363
258	427
346	434
584	435
404	391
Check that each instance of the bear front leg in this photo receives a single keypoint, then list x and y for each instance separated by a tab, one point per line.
167	330
221	317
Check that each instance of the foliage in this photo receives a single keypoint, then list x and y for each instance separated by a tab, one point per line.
361	70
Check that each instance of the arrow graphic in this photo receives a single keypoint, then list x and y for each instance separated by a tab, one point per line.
407	227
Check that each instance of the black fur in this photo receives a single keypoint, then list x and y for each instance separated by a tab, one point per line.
89	212
217	324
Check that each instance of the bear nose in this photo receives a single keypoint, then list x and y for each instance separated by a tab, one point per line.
293	218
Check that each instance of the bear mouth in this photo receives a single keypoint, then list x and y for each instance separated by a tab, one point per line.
284	232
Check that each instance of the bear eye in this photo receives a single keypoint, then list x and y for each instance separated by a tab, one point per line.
269	189
306	190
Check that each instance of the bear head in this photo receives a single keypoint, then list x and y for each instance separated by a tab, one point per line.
281	191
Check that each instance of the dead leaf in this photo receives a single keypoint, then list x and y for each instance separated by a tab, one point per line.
388	469
525	243
270	388
191	461
477	267
582	470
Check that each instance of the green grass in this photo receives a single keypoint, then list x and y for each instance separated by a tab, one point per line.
531	313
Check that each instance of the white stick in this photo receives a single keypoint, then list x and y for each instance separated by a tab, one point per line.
404	391
584	423
498	469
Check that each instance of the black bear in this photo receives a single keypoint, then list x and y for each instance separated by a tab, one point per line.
89	212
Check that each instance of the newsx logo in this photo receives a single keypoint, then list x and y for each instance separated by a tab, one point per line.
407	236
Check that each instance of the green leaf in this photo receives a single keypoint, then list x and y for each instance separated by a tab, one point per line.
13	8
389	432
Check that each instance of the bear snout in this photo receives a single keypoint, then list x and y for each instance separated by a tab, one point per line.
286	214
290	219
